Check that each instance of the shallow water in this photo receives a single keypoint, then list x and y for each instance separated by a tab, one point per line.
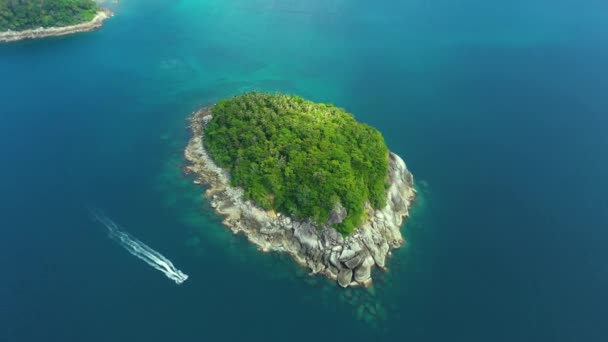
498	108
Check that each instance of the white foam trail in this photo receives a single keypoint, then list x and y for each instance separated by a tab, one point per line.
139	249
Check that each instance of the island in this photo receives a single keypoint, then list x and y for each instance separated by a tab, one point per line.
32	19
302	178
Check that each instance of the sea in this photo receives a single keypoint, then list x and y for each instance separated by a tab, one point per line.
499	108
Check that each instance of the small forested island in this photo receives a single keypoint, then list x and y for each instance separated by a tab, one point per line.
304	178
29	19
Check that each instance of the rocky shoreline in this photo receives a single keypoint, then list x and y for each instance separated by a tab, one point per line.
43	32
323	250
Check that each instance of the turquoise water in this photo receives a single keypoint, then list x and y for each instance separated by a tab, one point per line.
498	108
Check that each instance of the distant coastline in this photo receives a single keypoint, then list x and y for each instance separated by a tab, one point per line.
44	32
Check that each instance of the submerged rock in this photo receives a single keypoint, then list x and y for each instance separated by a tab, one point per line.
320	248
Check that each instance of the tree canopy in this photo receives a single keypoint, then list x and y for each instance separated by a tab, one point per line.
18	15
298	157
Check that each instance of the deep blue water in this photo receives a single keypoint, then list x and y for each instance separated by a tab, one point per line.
500	109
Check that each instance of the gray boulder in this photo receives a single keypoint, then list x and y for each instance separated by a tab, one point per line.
345	276
333	259
347	254
337	215
363	272
354	262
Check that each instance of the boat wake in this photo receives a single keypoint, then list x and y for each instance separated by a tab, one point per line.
138	248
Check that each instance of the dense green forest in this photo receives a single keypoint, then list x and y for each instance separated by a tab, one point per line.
20	15
299	157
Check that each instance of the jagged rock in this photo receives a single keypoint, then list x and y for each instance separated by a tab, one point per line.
355	246
336	237
296	247
354	262
306	233
347	254
363	272
332	236
316	255
379	259
384	248
326	256
344	277
318	267
337	215
333	259
375	253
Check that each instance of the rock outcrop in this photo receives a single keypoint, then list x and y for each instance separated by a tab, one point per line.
43	32
321	248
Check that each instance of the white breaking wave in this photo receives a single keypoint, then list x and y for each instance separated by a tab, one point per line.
139	249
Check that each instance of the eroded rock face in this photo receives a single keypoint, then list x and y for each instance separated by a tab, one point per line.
322	249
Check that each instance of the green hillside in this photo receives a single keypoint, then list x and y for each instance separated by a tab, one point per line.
299	157
20	15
